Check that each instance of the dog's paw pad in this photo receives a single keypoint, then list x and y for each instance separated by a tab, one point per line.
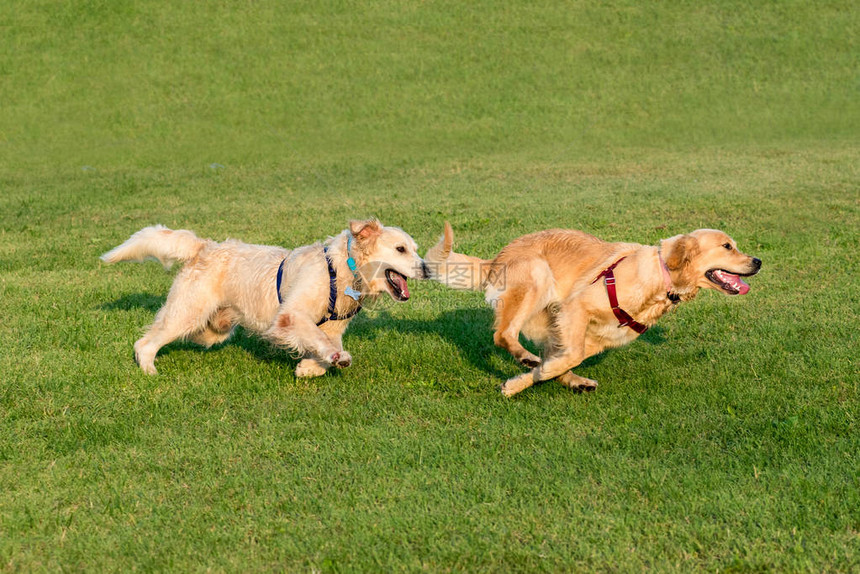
530	362
341	359
588	385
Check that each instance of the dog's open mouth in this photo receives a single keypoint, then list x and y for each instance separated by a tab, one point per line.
730	283
397	285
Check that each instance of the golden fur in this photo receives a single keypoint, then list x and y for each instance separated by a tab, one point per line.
542	285
222	285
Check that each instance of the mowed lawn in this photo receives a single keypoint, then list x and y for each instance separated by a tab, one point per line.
724	439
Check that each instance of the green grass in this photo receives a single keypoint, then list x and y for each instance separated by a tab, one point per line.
724	439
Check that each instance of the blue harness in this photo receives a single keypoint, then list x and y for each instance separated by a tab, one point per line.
331	314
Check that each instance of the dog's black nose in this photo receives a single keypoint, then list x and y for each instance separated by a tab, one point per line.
756	262
425	270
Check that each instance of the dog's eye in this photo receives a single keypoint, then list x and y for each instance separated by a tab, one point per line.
727	246
401	249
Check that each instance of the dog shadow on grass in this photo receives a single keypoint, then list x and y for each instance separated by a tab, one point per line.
467	329
131	301
470	330
251	344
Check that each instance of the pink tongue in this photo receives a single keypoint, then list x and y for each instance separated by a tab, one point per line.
401	284
735	281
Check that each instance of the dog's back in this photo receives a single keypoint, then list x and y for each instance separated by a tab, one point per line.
574	257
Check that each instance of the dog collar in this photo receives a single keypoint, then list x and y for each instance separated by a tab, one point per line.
350	262
332	293
350	291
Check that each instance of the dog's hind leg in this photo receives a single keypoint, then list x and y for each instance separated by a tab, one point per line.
513	308
188	309
529	291
568	351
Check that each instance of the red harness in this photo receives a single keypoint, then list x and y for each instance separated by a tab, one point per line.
624	318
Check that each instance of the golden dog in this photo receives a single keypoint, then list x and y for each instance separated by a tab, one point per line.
556	287
301	299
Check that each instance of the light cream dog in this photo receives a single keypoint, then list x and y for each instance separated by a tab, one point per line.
282	294
552	287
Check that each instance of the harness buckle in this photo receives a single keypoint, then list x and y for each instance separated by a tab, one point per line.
609	280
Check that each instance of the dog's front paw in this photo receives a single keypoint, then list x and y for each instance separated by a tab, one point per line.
513	386
530	360
341	359
309	368
587	385
577	383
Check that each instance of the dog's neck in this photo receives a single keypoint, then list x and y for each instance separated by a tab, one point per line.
353	258
671	293
677	289
347	261
350	261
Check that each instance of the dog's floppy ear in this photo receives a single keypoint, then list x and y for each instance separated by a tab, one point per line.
365	230
679	251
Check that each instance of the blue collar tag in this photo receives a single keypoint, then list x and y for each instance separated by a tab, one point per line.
350	292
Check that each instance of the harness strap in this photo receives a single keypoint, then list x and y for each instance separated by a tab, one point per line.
331	314
332	289
278	280
624	318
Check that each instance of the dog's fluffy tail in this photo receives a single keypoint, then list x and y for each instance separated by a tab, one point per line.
457	270
157	242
